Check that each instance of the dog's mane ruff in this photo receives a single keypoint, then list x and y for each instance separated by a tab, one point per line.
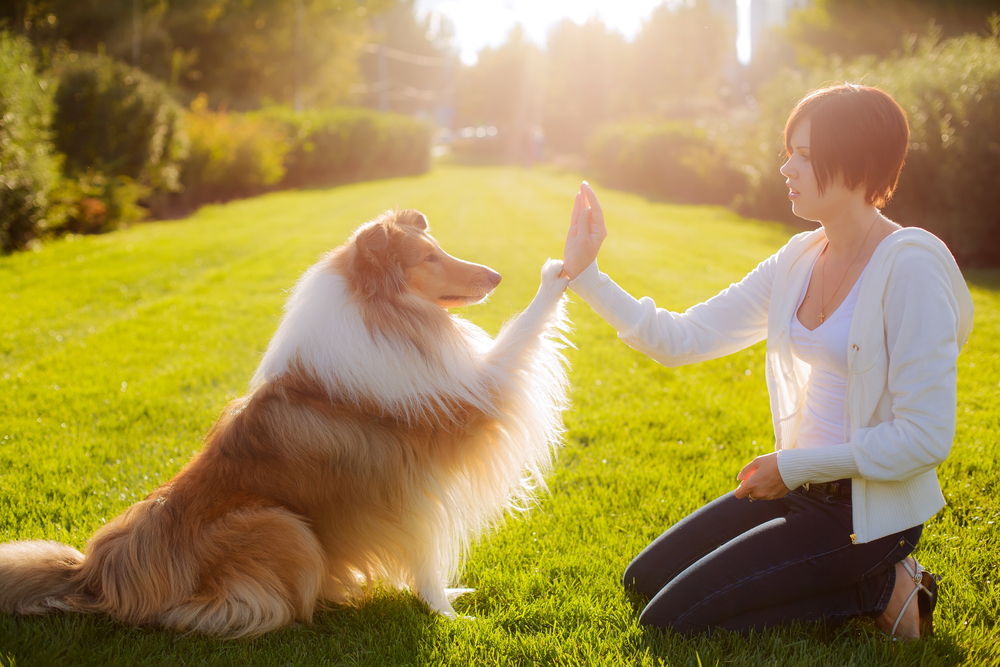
425	375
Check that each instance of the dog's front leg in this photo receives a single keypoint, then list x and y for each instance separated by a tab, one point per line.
544	318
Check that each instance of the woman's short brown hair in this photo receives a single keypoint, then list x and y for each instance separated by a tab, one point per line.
858	132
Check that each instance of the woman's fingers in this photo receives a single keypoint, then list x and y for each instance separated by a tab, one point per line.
586	232
597	229
748	470
591	197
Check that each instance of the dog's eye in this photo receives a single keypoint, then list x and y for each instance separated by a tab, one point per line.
431	258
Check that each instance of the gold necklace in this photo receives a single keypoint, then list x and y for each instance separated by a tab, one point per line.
822	289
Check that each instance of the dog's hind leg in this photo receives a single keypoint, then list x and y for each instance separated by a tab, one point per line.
260	569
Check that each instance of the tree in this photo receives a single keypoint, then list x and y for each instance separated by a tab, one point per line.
679	57
409	66
504	86
239	52
586	82
852	28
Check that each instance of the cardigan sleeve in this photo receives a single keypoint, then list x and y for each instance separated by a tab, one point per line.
922	337
730	321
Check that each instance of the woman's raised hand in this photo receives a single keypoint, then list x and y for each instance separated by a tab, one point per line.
586	233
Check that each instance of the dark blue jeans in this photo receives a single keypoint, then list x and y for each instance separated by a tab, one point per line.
739	565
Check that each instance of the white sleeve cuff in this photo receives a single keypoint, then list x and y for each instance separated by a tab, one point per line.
819	464
619	308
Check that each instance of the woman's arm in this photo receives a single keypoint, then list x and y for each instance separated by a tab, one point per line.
726	323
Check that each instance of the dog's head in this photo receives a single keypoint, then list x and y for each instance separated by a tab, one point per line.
394	254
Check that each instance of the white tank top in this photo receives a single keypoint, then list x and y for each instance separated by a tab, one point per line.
825	350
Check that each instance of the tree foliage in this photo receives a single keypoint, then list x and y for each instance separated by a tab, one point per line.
853	28
416	73
679	58
589	75
118	120
241	52
29	168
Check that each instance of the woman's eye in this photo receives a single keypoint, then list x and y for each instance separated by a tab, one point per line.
431	258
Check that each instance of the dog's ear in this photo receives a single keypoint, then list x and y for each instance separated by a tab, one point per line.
412	218
372	242
375	268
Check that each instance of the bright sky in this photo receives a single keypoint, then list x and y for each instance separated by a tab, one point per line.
480	23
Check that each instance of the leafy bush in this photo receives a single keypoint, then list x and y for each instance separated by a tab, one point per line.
670	160
29	168
951	182
95	202
231	155
342	145
119	121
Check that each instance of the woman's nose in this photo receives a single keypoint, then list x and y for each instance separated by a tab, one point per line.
786	170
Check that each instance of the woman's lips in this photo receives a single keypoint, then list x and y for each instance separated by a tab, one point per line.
792	194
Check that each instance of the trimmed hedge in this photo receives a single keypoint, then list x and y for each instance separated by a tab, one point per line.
669	160
231	155
951	182
29	167
125	140
327	147
119	121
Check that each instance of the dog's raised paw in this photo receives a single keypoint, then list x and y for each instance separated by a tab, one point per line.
551	270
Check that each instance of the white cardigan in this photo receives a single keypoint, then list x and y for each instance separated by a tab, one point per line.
914	313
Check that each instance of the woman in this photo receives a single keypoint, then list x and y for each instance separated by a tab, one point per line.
864	321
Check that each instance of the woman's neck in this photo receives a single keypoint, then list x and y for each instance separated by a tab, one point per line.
847	228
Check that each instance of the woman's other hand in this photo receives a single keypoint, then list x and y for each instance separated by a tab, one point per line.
761	480
586	233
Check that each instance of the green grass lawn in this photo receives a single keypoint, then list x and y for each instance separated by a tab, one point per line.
117	353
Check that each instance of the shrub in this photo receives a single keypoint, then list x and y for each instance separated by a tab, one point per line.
119	121
342	145
231	155
95	202
670	160
951	182
29	168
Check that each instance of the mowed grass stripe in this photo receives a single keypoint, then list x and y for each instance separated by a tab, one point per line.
180	312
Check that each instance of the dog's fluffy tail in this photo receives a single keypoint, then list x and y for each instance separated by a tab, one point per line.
37	577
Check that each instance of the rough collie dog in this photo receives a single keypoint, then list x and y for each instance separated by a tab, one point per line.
379	436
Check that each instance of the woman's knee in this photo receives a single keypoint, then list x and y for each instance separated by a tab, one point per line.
640	577
662	613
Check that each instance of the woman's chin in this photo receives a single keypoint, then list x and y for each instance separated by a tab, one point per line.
802	212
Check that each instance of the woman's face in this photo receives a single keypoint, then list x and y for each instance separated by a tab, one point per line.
803	189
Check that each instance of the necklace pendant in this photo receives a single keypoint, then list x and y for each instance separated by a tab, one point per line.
821	317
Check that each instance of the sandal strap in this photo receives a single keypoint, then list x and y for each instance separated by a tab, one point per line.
917	574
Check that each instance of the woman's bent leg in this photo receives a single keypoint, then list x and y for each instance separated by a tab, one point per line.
695	536
802	566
